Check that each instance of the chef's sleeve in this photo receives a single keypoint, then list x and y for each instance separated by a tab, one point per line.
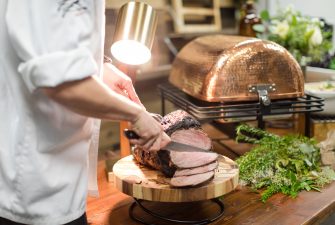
53	39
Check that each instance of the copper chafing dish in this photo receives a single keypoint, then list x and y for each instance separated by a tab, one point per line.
221	68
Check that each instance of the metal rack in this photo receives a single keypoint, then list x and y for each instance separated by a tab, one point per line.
138	203
241	111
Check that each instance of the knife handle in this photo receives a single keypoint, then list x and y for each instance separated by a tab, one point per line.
130	134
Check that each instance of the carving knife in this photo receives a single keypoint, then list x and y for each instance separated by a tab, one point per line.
172	146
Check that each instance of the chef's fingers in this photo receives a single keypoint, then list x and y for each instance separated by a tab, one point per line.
157	117
165	139
121	92
144	143
138	142
148	141
148	129
146	138
149	146
156	145
160	142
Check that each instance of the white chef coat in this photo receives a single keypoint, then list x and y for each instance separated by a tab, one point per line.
44	147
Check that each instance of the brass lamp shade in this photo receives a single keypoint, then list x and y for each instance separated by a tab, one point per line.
134	33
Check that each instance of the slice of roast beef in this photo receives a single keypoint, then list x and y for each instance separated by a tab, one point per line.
197	170
184	160
194	137
178	120
192	180
169	161
183	128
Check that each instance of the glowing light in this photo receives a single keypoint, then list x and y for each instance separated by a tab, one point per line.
130	52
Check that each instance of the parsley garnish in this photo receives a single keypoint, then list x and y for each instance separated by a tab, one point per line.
287	164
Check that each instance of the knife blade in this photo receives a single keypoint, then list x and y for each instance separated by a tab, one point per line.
172	145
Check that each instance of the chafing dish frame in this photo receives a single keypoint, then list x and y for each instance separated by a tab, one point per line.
211	111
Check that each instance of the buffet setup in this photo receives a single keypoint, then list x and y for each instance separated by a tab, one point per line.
239	86
221	79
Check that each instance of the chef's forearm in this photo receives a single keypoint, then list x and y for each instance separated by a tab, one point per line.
91	97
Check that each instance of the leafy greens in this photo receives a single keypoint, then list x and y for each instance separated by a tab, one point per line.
287	164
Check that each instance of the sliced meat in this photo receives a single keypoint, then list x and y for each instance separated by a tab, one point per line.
194	137
178	120
192	180
173	118
169	161
156	161
186	168
190	159
151	159
196	170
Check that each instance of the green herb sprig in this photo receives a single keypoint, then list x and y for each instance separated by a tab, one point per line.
287	164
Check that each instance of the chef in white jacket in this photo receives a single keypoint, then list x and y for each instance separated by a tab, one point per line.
50	62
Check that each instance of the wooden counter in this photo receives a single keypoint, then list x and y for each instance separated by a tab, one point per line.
242	207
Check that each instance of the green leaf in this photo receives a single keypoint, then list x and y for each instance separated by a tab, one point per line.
307	188
260	28
294	20
332	64
308	162
265	15
307	149
316	188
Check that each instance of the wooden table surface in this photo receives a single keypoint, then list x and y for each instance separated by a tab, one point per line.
242	207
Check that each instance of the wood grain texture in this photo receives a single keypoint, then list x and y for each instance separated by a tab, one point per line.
144	183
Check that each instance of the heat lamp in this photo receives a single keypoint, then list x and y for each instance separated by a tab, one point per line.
134	33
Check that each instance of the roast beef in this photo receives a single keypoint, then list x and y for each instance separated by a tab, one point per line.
192	180
194	137
170	161
201	169
185	168
187	159
178	120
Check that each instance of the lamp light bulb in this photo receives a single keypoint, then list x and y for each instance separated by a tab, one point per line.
130	52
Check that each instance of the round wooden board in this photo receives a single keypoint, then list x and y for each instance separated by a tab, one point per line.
144	183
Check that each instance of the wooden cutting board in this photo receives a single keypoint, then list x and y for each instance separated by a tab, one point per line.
144	183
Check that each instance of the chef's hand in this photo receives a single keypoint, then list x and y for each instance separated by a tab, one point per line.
152	136
120	82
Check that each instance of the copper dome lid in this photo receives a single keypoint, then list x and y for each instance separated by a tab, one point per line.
221	68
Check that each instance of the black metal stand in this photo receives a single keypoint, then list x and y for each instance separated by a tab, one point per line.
174	221
242	111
